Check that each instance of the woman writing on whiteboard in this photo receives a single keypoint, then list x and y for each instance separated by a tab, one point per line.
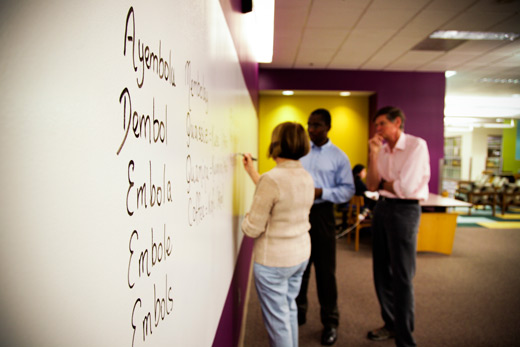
279	222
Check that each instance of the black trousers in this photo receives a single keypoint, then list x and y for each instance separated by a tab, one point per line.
323	256
394	230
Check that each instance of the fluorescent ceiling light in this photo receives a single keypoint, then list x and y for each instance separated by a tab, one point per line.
263	11
460	121
449	73
344	93
287	92
479	106
498	125
459	129
500	80
472	35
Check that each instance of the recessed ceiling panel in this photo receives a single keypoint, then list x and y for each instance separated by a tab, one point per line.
438	45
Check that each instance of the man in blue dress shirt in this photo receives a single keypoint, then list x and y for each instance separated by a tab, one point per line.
330	168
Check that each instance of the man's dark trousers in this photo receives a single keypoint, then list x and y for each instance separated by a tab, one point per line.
323	256
394	229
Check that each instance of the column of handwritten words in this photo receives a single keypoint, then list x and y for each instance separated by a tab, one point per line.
205	166
149	183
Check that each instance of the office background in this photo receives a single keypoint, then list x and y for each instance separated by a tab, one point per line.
74	245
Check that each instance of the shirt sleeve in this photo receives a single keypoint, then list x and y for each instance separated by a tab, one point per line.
344	187
415	173
266	195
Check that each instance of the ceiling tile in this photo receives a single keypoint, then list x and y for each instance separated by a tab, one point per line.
475	21
379	35
477	47
318	59
336	14
385	19
413	60
323	38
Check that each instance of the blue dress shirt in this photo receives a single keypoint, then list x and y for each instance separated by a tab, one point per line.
330	169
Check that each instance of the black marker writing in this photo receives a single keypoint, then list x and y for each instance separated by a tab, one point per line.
157	253
162	306
196	87
147	58
143	126
147	195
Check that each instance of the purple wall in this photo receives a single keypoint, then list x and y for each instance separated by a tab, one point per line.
419	94
230	324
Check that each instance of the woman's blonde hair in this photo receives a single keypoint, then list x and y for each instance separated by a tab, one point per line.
289	140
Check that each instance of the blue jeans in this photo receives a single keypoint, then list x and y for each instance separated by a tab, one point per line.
277	288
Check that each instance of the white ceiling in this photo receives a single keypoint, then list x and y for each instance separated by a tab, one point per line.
381	34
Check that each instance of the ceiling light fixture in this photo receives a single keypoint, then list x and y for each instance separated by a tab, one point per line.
473	35
482	107
262	28
287	92
499	126
344	94
500	80
449	73
459	129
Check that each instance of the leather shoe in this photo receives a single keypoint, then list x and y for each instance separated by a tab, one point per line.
380	334
329	336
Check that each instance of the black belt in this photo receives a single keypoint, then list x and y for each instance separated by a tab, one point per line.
398	201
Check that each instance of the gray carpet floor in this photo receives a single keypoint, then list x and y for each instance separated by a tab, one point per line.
469	298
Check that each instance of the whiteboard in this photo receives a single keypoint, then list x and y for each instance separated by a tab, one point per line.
122	194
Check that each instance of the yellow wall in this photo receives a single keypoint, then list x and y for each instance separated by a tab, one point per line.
349	122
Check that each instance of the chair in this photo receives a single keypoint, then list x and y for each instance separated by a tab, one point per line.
341	216
509	195
354	210
477	194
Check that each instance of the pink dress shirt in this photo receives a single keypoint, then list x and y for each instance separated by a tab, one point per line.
408	166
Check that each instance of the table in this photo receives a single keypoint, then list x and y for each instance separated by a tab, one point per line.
437	226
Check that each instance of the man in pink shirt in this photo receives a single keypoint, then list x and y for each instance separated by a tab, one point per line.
399	168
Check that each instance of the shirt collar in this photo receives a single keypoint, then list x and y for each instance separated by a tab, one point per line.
400	145
327	144
401	142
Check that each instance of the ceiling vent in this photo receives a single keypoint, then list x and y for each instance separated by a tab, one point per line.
438	45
